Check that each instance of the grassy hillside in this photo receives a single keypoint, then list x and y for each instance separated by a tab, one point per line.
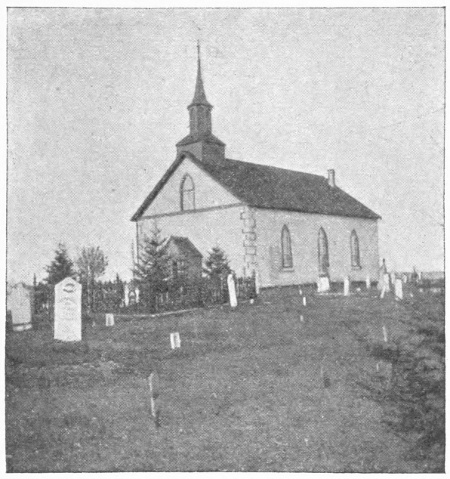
255	389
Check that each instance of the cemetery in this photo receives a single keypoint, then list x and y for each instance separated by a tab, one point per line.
289	380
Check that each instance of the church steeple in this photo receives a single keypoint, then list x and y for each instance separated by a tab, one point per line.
200	108
200	141
199	95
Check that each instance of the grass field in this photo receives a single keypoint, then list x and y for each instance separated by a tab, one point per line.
255	389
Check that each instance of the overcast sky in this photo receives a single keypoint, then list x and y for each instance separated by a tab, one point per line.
97	100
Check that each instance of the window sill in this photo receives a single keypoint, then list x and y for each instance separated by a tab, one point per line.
287	270
356	268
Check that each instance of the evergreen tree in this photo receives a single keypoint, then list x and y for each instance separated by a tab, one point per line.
153	267
61	267
217	263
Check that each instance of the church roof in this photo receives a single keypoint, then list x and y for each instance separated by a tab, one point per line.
277	188
205	137
270	187
184	245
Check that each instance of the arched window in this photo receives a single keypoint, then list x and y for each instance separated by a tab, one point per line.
286	248
354	250
187	194
322	246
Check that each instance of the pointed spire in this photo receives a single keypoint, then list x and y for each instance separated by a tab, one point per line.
199	95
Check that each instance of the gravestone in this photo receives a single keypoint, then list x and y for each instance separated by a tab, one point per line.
405	278
368	282
126	292
346	286
398	288
323	284
20	304
137	295
385	287
257	282
232	291
175	341
109	319
68	310
304	300
153	384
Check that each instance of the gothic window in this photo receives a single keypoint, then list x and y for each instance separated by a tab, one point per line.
286	248
354	250
324	262
187	194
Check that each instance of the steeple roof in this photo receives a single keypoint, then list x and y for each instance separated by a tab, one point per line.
199	95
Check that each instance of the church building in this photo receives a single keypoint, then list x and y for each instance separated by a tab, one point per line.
288	226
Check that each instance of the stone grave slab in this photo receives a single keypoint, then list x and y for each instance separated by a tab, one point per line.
20	304
68	310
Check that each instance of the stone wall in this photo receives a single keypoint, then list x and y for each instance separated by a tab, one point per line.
304	229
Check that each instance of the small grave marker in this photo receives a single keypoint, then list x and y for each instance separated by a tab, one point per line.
175	341
109	319
300	291
304	300
257	282
302	320
346	286
153	384
323	284
20	303
398	289
368	282
232	291
68	310
252	300
385	334
126	294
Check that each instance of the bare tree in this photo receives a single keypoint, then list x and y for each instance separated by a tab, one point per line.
91	264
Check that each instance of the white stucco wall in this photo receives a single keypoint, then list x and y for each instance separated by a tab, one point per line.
208	193
304	229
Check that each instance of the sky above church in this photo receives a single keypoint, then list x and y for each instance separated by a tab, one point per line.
97	100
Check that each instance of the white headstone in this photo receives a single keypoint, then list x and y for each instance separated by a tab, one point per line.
405	278
304	300
20	304
257	282
175	341
232	291
368	282
137	295
300	291
109	319
346	286
398	289
126	294
68	310
323	284
387	282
